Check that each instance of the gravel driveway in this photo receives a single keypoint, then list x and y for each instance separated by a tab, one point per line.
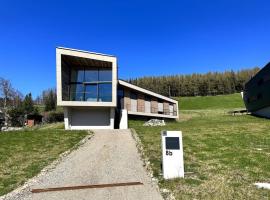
110	156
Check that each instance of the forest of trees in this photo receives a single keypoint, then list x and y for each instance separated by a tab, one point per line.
212	83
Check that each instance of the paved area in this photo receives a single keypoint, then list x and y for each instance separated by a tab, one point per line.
110	156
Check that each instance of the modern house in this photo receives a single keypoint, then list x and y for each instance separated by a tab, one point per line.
257	93
93	98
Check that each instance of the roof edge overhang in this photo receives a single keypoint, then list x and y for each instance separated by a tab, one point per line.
134	87
83	51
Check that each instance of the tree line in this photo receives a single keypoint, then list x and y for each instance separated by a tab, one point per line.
14	106
211	83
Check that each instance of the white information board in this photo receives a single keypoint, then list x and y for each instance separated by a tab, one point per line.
172	154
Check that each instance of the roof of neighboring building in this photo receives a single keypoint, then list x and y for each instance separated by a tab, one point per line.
102	54
256	92
134	87
261	72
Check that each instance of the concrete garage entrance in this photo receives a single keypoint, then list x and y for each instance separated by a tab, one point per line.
81	118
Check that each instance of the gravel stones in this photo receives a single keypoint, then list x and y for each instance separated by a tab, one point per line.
155	122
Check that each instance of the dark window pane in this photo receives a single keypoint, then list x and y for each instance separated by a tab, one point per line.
105	75
105	92
172	143
91	92
120	96
120	93
77	76
133	95
91	75
147	98
76	92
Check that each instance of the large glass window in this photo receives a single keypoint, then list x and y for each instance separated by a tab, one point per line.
77	75
91	85
91	76
76	92
105	92
105	75
91	92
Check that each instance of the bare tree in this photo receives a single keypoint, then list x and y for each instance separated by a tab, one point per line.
7	93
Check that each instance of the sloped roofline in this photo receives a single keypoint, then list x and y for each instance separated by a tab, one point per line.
83	51
258	73
134	87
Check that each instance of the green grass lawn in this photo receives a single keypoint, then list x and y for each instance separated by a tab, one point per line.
24	153
230	101
224	154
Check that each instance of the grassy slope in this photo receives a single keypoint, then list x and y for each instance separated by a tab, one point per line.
24	153
221	151
211	102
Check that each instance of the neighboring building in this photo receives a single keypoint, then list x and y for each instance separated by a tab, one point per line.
94	98
257	93
33	119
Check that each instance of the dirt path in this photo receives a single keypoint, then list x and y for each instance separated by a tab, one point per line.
109	157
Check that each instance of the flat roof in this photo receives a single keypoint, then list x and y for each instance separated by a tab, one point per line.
78	50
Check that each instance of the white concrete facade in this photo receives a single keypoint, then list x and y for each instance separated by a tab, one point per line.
85	115
123	119
89	55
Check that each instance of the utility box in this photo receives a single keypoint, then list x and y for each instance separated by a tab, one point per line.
172	154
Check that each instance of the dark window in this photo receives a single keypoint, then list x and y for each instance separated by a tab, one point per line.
172	143
120	96
120	93
91	92
91	76
105	75
133	95
77	75
77	92
105	92
147	98
91	85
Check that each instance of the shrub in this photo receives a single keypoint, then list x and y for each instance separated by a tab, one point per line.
16	117
53	116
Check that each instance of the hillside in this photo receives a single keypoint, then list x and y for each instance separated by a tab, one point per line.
224	155
230	101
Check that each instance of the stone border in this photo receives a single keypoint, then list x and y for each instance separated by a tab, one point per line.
19	192
165	193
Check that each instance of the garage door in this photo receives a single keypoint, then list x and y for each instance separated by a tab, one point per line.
90	117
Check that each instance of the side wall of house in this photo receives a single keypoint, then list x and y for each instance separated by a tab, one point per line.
144	101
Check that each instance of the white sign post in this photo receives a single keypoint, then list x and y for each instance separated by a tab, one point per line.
172	154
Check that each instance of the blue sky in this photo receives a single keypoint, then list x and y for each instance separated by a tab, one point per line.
148	37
